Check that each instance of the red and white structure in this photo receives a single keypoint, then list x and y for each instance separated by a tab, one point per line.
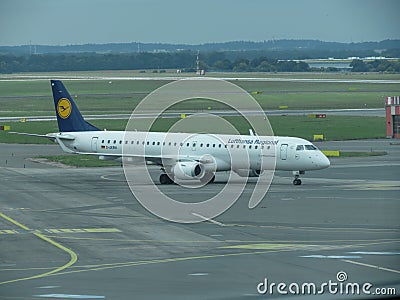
393	117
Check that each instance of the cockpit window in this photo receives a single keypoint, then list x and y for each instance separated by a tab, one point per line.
310	147
299	148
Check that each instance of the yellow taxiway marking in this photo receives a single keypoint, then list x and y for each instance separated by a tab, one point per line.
62	230
8	231
73	257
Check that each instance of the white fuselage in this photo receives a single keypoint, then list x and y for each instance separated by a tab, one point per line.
230	152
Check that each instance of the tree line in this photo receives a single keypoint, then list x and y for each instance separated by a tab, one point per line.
359	65
183	60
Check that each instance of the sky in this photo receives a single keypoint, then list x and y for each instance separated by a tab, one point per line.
66	22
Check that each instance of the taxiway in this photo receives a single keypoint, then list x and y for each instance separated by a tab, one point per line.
79	233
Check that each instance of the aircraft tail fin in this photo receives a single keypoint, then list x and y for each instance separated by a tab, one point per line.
69	117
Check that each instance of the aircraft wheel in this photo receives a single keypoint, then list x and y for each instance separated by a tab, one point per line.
297	182
165	179
208	178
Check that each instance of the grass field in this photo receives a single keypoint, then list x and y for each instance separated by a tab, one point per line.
34	98
333	127
83	161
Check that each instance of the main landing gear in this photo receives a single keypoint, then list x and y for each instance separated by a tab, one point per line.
165	179
297	174
208	178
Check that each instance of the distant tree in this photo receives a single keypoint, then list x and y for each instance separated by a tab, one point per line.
266	66
359	65
223	65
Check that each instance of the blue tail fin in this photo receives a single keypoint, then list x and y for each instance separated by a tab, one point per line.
69	117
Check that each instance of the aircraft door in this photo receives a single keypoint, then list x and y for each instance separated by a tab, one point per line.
283	151
94	144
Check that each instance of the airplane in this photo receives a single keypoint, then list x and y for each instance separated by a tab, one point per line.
199	156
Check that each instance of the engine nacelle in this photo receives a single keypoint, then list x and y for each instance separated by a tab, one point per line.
188	170
248	173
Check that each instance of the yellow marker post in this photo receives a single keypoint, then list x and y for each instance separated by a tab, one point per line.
183	116
283	106
7	127
23	120
331	153
318	137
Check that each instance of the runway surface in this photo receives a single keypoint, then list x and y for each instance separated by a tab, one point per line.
78	233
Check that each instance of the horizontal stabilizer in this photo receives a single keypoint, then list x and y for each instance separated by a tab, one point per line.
51	136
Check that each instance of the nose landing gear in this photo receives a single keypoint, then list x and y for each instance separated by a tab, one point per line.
297	174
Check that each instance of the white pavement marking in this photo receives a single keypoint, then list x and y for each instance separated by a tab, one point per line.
209	220
371	266
375	253
68	296
198	274
331	256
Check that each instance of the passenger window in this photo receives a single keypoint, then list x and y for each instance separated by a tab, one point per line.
262	147
194	144
108	141
213	145
244	146
268	147
148	143
187	144
299	148
174	144
115	141
102	141
231	146
237	146
255	147
201	145
208	145
250	147
120	142
137	142
219	145
169	144
154	143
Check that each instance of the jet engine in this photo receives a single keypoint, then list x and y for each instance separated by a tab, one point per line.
188	170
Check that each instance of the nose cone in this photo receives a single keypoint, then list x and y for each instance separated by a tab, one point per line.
325	163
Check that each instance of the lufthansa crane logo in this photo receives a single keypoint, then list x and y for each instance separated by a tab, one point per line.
64	108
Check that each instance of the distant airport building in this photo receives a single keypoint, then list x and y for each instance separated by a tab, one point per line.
393	117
